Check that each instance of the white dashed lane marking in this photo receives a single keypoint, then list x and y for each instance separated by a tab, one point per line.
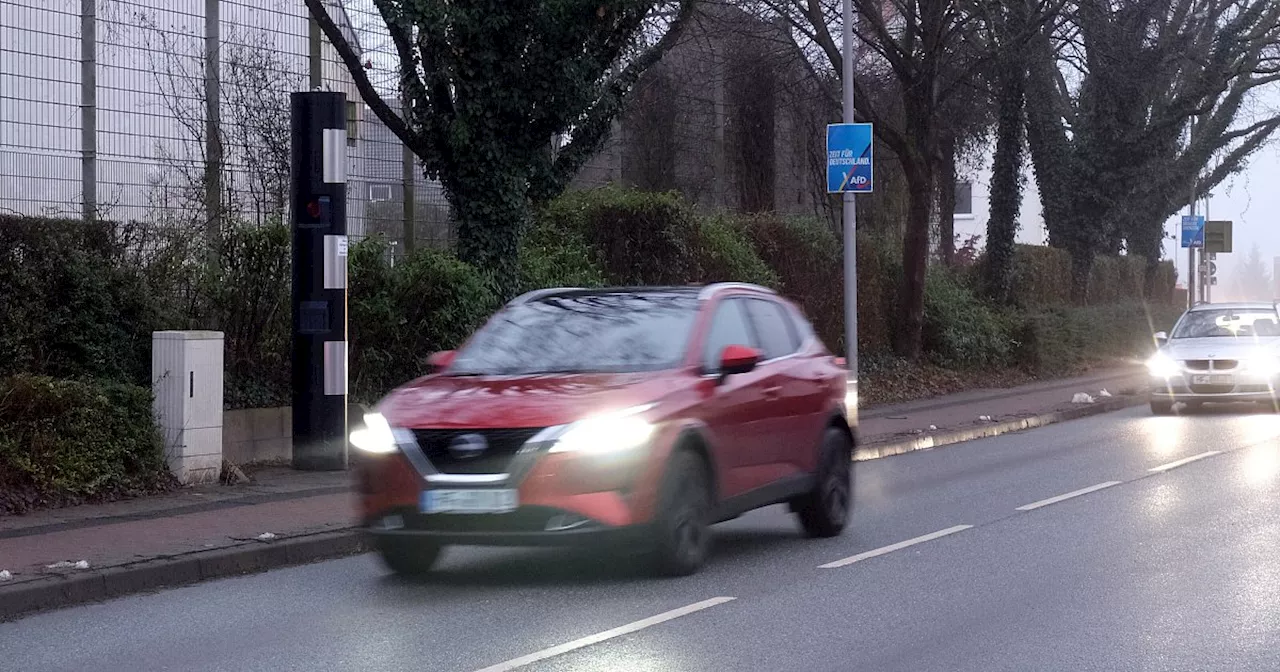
1186	460
606	635
1069	495
894	547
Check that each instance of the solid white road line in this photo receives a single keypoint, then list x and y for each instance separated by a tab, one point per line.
894	547
1185	460
606	635
1069	495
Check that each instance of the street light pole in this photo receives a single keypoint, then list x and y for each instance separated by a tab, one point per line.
1193	271
850	219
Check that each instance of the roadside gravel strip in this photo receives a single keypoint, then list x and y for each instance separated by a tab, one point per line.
51	591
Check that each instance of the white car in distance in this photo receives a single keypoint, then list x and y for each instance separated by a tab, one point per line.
1218	353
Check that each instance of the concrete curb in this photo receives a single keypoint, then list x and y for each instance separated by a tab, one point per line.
47	592
889	447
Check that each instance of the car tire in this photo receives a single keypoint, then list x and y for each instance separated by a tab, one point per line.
824	512
682	530
1161	407
409	557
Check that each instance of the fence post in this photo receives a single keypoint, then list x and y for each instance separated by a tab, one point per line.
719	112
315	54
408	185
213	158
615	155
89	108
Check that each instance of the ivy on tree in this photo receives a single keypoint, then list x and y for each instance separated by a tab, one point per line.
490	83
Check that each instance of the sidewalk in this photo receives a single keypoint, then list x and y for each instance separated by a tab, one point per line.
286	517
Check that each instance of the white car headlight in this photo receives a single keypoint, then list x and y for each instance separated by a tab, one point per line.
1163	366
1265	365
609	433
376	435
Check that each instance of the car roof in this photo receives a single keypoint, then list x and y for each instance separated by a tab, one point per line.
698	291
1240	305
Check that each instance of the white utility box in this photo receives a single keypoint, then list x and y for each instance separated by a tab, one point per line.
186	375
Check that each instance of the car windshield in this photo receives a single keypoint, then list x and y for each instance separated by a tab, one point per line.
610	332
1228	323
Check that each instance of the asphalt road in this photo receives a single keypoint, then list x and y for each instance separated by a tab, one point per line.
1150	568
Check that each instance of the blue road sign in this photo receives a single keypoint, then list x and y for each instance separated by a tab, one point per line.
1192	231
849	165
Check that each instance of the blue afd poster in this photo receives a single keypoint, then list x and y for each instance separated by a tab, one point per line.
1192	231
849	153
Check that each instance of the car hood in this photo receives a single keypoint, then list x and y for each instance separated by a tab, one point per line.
1220	348
523	401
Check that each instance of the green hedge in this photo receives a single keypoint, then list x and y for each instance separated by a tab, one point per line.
65	441
400	315
69	306
639	238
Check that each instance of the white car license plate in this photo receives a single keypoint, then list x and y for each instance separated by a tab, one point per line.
469	501
1212	380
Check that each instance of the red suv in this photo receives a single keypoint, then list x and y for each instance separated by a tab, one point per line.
579	415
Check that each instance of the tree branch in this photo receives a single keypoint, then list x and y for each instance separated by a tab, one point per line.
589	135
349	58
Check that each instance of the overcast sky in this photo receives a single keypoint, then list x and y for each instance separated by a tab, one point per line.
1251	200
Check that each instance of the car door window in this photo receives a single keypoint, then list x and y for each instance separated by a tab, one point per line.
777	334
728	327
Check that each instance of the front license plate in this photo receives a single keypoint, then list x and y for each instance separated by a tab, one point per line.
469	501
1212	380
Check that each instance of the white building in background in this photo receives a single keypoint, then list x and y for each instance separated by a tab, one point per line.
973	205
149	58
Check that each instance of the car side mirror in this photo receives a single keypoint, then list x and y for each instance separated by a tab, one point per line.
440	360
1161	338
736	359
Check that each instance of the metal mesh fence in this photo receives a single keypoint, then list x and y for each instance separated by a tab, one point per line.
165	112
111	108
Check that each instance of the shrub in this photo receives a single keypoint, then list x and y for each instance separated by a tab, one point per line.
960	330
1061	339
725	254
68	307
643	238
555	255
400	315
248	299
807	257
66	441
636	238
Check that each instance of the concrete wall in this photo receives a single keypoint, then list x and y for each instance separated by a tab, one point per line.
257	435
266	434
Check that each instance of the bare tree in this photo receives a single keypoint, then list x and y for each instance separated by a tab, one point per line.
921	57
254	130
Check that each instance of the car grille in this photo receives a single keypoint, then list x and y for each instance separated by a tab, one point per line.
503	445
1212	389
1211	364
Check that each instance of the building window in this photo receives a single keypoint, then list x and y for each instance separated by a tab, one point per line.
379	192
353	123
964	198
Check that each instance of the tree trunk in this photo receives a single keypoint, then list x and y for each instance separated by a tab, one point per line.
1006	183
947	204
915	261
490	209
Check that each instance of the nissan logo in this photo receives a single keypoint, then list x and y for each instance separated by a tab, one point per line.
467	446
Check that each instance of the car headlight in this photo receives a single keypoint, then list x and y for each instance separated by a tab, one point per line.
376	436
1266	365
1163	366
609	433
